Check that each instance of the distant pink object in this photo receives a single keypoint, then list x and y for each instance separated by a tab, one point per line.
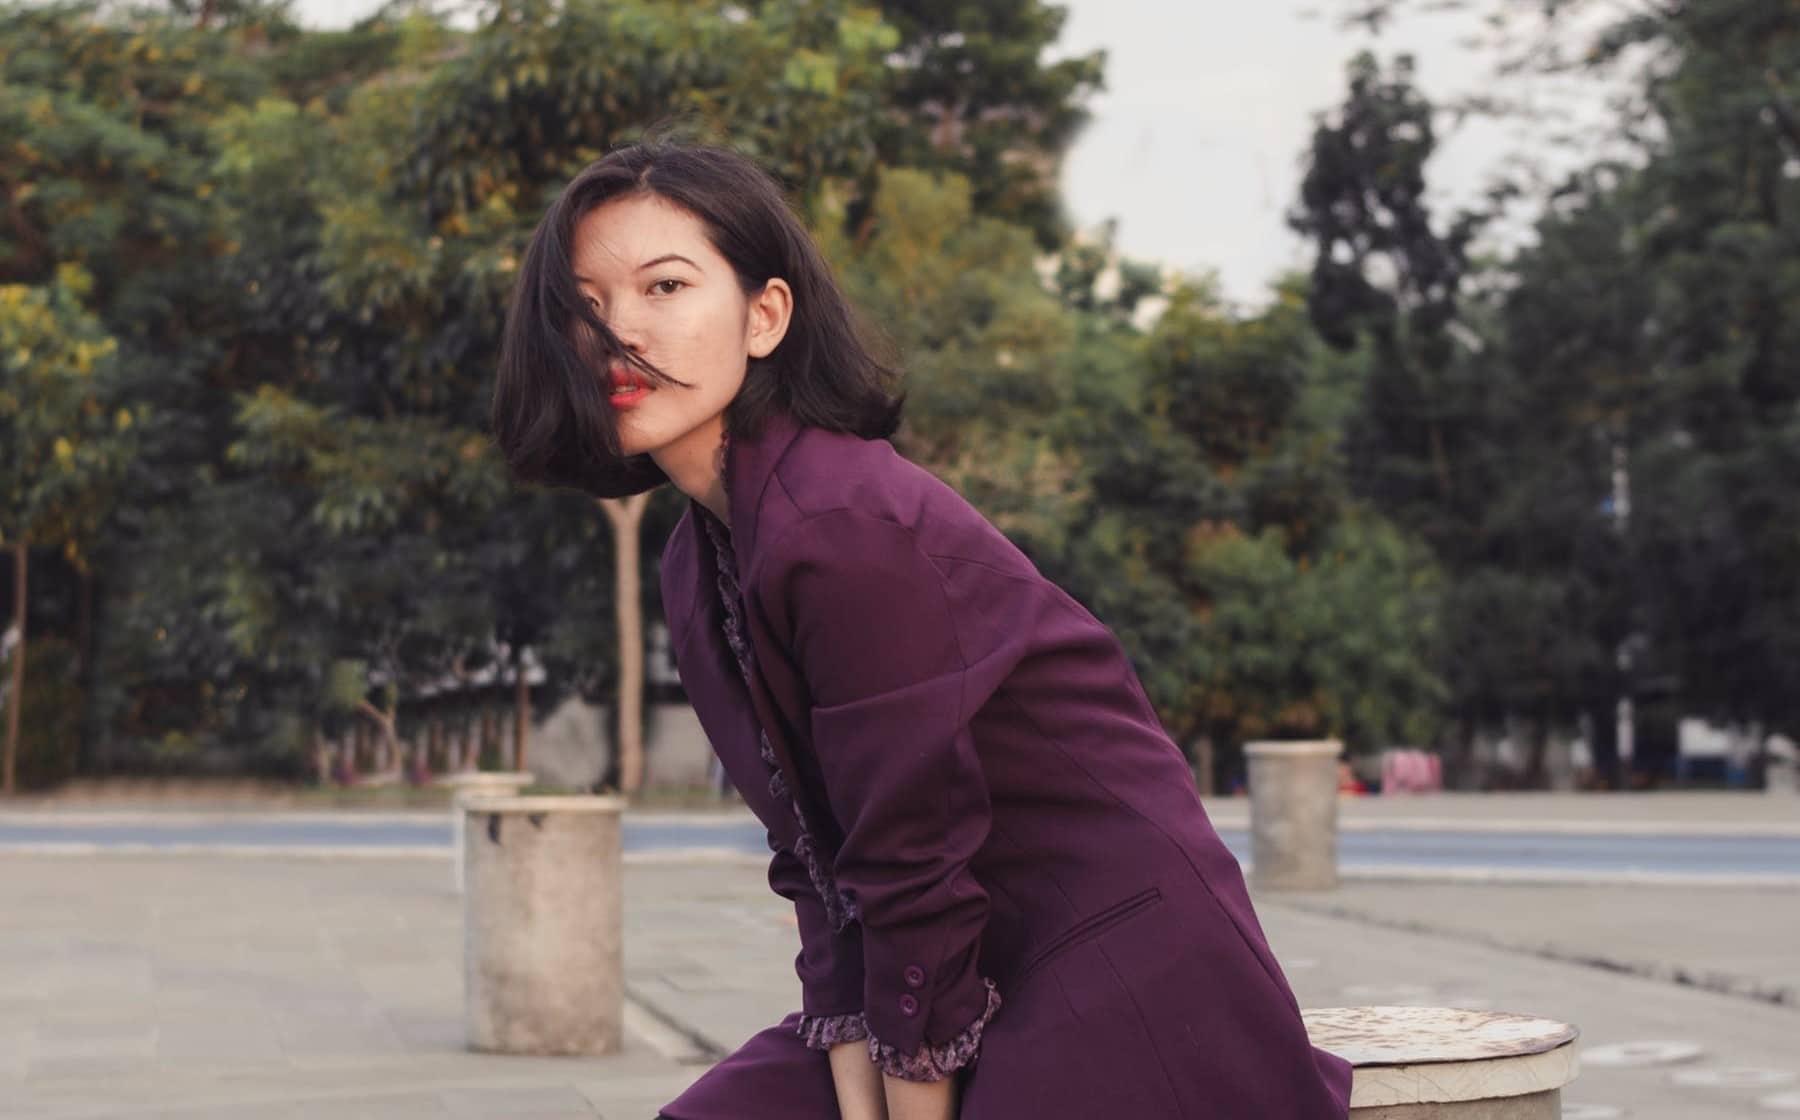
1411	771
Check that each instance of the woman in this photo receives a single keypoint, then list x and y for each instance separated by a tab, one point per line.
1011	903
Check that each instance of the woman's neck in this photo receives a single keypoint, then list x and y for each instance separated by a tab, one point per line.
696	465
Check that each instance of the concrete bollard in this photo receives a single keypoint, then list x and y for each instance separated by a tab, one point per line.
1444	1063
1293	814
464	783
543	929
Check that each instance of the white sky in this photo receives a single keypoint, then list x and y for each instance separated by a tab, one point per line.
1195	147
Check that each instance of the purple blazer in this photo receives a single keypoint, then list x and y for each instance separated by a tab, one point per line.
998	861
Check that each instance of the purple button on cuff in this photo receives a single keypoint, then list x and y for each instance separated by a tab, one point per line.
915	976
909	1006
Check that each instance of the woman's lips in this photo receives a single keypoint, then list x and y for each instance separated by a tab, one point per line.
628	388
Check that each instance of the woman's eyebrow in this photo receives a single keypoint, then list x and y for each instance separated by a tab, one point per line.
666	258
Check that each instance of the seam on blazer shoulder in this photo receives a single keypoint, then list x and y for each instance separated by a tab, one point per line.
800	507
773	547
782	482
774	477
952	558
1039	582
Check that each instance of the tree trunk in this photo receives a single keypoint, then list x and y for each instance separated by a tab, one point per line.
1203	765
388	760
1458	775
84	626
85	670
1538	745
16	701
353	759
627	517
1440	462
488	748
1603	740
522	723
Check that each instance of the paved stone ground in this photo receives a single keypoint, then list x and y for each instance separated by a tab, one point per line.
1744	941
190	987
218	987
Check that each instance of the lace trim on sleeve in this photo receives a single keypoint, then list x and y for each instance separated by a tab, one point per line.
822	1032
934	1063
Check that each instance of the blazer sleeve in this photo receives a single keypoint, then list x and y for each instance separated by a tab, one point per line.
830	964
867	618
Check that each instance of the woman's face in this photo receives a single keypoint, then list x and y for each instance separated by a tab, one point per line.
652	275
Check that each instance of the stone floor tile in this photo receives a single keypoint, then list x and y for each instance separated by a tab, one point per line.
496	1104
397	1106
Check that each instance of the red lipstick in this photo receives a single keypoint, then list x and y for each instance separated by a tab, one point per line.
627	387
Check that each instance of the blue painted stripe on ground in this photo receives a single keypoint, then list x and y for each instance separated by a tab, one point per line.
1446	849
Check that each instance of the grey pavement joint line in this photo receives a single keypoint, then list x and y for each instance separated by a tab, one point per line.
190	817
1557	876
83	850
1776	830
734	857
1719	983
703	1049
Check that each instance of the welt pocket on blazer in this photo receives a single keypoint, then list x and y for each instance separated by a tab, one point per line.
1087	928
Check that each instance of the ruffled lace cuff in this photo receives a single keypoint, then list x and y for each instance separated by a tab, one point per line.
934	1063
822	1032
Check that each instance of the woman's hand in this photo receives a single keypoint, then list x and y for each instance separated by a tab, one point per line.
923	1100
858	1082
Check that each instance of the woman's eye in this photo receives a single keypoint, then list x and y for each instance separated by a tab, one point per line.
668	287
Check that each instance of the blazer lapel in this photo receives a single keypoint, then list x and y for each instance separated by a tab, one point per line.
714	684
750	471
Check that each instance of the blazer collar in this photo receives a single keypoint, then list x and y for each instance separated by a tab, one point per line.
750	460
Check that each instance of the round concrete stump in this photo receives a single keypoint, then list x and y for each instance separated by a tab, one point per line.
1294	814
463	783
543	949
1445	1063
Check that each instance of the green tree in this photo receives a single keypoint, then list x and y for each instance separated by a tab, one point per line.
973	93
1363	206
69	436
1288	582
1645	404
1575	347
1711	479
1447	439
373	241
105	113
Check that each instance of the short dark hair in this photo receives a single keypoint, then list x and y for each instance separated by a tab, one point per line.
550	415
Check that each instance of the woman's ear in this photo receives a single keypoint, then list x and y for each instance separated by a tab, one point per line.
770	312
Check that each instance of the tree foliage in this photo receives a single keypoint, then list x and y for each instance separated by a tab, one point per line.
252	277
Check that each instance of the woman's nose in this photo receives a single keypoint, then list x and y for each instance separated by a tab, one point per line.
628	332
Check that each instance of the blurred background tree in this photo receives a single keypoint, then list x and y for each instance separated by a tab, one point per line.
254	276
69	437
